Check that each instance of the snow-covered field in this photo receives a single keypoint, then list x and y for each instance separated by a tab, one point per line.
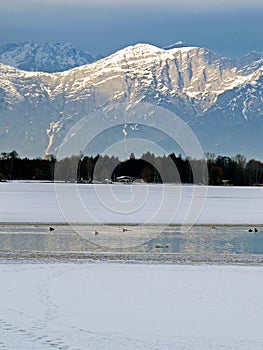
47	202
94	306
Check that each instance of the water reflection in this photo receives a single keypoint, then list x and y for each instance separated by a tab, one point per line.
197	240
208	240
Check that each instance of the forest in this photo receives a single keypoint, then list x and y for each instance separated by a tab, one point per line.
215	170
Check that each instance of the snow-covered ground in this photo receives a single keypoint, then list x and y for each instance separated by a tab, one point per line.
48	202
113	306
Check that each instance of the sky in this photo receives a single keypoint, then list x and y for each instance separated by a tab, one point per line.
228	27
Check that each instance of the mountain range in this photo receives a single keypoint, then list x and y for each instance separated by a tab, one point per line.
219	98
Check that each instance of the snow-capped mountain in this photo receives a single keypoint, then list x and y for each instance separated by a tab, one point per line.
44	57
220	98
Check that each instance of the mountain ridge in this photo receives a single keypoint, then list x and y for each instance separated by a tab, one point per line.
44	57
200	86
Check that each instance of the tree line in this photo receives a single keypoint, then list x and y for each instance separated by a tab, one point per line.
150	168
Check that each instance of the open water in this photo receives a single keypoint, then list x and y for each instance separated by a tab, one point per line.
88	241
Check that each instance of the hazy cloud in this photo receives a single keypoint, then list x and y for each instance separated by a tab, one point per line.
184	4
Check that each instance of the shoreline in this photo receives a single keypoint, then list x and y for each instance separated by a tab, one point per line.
133	258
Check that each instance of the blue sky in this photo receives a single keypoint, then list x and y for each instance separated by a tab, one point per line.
231	28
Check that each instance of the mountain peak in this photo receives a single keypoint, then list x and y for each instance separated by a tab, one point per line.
44	57
140	47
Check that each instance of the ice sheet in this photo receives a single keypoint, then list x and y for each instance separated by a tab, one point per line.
48	202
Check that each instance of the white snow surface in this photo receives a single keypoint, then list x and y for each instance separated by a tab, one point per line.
113	306
138	203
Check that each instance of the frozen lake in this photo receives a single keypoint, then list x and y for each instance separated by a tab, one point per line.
55	297
144	219
140	204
